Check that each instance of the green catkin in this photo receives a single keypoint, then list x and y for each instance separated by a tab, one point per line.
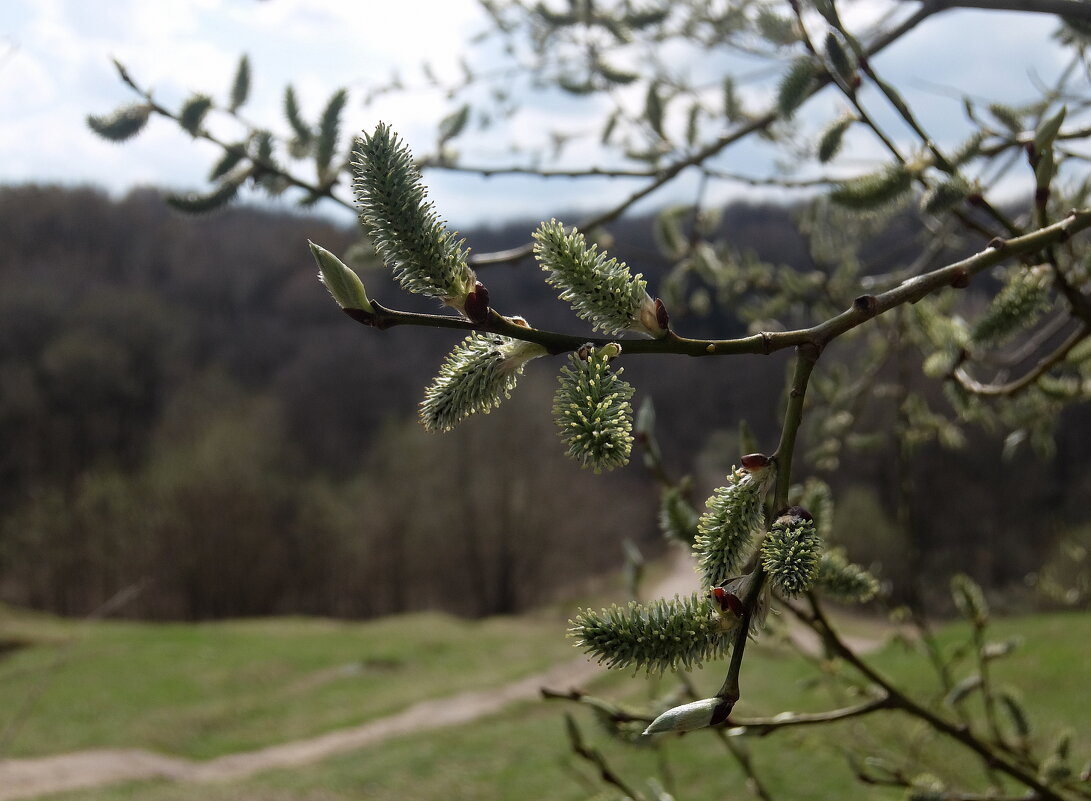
475	377
735	514
125	123
841	580
193	113
592	410
406	231
677	517
795	85
790	552
679	633
600	289
1016	307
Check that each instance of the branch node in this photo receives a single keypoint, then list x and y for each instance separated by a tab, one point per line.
867	305
960	278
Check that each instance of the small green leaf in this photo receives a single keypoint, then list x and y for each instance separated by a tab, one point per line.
962	690
454	124
125	123
1048	130
608	128
343	283
733	110
303	132
614	75
198	203
229	161
328	129
653	109
240	88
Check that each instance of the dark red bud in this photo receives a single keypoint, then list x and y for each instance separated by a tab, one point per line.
960	279
756	461
855	81
727	601
975	199
796	511
661	315
477	304
996	243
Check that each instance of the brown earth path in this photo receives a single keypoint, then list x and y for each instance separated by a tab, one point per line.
29	778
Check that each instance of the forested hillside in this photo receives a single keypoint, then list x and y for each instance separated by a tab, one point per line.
180	411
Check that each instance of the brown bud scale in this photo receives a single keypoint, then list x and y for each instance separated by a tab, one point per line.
661	315
755	461
477	304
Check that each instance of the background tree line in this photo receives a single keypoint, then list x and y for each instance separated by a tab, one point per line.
177	406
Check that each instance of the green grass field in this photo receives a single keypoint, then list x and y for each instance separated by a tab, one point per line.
203	690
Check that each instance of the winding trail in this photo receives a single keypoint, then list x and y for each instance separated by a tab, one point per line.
29	778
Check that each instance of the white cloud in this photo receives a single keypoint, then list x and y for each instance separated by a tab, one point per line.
61	71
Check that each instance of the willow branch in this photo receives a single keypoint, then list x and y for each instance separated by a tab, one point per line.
806	358
764	726
863	308
1076	9
325	190
708	151
1013	387
899	700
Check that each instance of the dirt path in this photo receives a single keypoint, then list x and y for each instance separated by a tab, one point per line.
27	778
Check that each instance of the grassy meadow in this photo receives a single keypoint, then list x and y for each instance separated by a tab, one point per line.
209	689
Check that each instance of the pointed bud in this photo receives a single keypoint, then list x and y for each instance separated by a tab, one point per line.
344	284
688	717
1048	130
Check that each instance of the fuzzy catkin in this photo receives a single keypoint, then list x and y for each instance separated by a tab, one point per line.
407	233
735	514
600	289
657	636
790	553
592	410
475	377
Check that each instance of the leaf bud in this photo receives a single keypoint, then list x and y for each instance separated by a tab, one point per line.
688	717
343	283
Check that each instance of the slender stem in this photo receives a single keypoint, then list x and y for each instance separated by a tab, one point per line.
806	358
1040	369
863	308
1077	9
899	700
713	148
764	726
325	190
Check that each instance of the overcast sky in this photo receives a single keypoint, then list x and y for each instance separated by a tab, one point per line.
55	69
